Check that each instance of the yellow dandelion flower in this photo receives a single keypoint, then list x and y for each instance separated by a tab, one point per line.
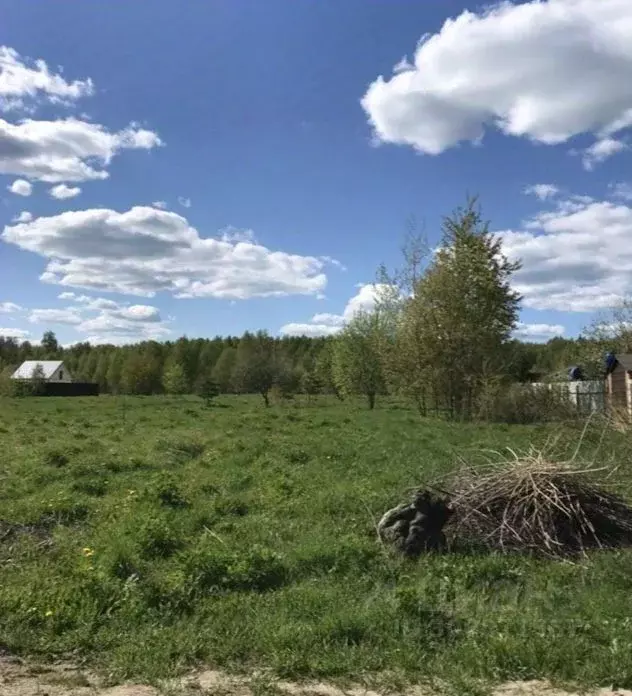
87	552
49	613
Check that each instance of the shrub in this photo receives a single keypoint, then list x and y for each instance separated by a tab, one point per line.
158	539
166	490
525	403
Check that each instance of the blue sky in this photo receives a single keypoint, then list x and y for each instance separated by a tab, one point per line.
207	168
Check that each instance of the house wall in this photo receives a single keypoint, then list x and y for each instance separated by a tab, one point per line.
61	375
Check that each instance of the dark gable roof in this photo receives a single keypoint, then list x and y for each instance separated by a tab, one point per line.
625	360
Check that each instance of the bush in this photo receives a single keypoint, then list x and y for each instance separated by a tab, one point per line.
525	403
207	388
165	488
158	539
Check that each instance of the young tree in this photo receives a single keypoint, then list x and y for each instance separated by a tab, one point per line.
310	384
207	388
113	373
38	381
174	380
357	361
256	365
323	369
222	371
463	310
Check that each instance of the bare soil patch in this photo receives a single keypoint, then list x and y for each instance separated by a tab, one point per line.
20	678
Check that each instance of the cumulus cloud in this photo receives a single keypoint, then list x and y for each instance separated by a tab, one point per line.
22	81
24	216
61	191
146	250
538	332
493	69
542	191
576	257
66	149
9	307
329	324
101	320
184	202
601	150
20	334
162	205
21	187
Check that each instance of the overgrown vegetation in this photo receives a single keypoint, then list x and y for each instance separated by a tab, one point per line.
149	534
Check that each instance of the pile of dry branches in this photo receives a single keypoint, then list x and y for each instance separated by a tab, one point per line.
530	503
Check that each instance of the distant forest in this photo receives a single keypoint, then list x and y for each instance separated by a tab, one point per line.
302	363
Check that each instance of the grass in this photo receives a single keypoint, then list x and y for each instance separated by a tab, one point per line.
145	535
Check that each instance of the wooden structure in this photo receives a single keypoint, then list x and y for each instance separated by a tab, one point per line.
619	383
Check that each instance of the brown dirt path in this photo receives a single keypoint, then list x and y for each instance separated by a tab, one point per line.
19	678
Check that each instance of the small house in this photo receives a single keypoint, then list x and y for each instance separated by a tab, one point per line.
619	381
52	371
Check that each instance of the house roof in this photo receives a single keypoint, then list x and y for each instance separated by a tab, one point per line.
625	360
25	371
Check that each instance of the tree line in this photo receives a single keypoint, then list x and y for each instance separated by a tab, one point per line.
440	334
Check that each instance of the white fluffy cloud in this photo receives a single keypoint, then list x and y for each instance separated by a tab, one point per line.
162	205
184	202
576	256
601	150
66	149
101	320
21	187
538	332
329	324
542	191
61	191
20	334
9	307
494	69
146	250
22	81
24	216
311	330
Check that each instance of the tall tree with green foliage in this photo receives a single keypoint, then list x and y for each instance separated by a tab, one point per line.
323	369
462	312
257	366
357	359
113	373
49	344
222	371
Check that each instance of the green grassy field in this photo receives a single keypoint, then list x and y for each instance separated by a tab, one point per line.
146	535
